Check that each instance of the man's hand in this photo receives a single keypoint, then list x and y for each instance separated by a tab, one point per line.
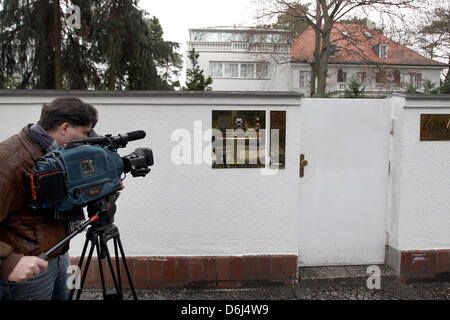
27	268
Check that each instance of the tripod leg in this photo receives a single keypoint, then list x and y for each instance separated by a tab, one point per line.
108	257
117	264
126	268
80	264
97	246
86	269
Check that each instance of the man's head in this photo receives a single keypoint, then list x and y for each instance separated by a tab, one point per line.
68	118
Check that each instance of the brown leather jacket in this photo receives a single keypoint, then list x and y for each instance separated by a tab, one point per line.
23	231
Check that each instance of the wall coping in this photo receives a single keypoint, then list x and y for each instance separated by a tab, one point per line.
158	98
152	93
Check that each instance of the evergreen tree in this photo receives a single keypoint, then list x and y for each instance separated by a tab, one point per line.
354	90
411	90
195	78
117	47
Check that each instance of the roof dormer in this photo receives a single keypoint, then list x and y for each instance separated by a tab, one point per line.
381	50
333	49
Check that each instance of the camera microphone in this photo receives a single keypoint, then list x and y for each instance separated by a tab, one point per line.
108	141
136	135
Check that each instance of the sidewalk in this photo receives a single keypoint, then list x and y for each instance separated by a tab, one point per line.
317	283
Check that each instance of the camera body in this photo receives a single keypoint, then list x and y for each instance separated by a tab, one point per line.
79	173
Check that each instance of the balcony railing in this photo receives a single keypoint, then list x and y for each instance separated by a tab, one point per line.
370	87
239	47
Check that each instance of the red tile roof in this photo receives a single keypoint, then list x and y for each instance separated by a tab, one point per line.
358	49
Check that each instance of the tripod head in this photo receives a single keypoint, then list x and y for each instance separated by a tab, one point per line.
101	215
105	209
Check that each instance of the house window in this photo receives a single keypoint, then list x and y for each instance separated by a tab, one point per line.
247	70
404	78
212	36
226	36
333	49
238	138
239	70
361	77
383	51
397	77
216	70
262	70
305	79
239	37
341	76
231	70
199	36
380	77
416	80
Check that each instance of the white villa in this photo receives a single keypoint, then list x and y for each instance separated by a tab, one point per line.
249	59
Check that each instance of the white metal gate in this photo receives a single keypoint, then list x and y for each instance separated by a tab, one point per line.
343	193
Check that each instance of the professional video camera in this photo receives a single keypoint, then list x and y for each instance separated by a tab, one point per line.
85	170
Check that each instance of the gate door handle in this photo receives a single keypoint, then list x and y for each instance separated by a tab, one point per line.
303	164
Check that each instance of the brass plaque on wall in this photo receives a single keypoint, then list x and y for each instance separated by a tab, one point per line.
435	127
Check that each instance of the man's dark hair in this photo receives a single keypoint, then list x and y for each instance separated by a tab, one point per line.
67	109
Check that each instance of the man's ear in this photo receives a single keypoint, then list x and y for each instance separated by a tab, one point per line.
63	128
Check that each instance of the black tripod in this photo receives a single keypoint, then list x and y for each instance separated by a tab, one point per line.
102	230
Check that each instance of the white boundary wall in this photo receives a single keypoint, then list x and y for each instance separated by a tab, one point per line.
189	209
192	209
420	180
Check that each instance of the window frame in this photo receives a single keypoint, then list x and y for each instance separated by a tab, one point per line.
254	76
272	119
333	50
361	76
307	76
341	74
383	54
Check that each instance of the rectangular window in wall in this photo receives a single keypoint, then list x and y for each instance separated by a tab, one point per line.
237	70
383	51
380	77
231	70
361	77
216	70
341	76
416	80
212	36
262	70
305	79
199	36
226	37
435	127
238	138
277	139
333	50
247	70
239	37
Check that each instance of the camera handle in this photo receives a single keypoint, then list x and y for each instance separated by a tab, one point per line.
103	208
45	255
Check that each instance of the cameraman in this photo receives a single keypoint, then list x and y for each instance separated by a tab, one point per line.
24	232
